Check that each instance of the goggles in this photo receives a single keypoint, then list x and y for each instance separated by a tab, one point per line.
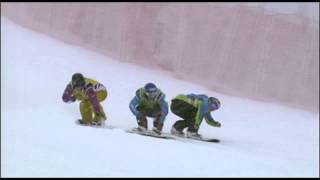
151	93
214	106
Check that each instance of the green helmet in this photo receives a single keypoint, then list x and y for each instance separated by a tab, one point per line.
214	103
77	80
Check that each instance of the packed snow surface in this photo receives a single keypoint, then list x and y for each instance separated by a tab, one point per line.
39	137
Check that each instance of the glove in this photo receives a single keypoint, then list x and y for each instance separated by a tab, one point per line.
217	124
140	108
139	116
100	116
68	99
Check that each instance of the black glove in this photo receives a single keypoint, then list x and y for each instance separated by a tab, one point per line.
139	116
217	124
100	116
139	108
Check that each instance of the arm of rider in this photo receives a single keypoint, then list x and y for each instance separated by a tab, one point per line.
201	106
67	96
90	92
133	106
164	108
211	121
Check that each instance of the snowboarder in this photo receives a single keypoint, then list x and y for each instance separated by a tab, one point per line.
90	93
149	101
192	109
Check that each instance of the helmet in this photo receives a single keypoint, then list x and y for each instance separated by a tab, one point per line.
150	89
214	103
78	80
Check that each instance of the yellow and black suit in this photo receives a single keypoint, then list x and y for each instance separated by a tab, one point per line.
90	97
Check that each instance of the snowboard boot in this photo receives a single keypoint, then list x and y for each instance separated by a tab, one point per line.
193	135
157	126
142	124
140	129
96	123
176	132
82	122
157	131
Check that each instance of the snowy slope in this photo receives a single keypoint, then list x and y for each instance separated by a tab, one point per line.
39	137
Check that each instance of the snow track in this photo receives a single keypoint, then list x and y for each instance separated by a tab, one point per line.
40	139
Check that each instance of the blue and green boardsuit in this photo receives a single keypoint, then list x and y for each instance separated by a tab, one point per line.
192	109
149	102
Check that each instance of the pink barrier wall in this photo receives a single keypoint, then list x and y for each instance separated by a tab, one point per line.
236	50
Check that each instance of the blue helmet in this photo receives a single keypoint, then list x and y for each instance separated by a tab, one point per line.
150	89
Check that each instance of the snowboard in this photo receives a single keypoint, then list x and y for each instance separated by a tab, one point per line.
103	125
205	139
213	140
150	133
